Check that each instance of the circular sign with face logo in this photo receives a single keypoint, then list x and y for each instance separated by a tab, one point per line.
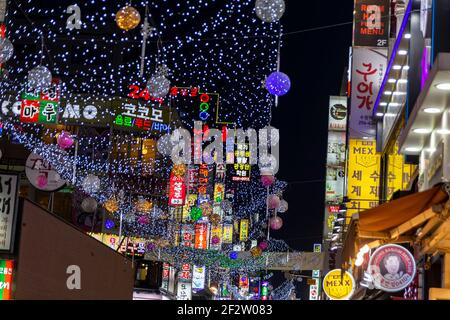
338	112
338	285
392	268
42	175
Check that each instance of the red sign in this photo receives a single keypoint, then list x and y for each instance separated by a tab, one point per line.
177	194
392	268
201	236
193	180
187	236
203	175
333	209
185	273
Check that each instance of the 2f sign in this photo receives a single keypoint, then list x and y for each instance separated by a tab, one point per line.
74	280
74	21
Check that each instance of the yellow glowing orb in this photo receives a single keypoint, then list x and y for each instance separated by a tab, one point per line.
128	18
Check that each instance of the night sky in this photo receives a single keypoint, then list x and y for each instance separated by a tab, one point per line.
315	62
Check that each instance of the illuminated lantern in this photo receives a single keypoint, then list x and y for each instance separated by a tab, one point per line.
273	201
283	207
226	205
276	223
206	209
233	255
215	240
111	205
142	205
270	10
179	170
151	246
267	180
109	224
128	18
196	213
64	140
6	50
263	245
256	252
91	184
278	83
42	181
214	219
39	78
158	85
143	220
89	205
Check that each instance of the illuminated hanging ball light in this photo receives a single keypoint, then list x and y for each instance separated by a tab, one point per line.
263	245
278	83
39	78
233	255
111	205
215	240
196	213
276	223
270	10
151	246
6	50
109	224
157	212
267	180
64	140
128	18
89	205
143	205
206	208
226	205
42	181
214	219
256	252
273	201
165	145
283	207
179	170
158	85
143	220
91	184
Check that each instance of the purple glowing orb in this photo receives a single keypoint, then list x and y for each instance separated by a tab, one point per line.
109	224
278	83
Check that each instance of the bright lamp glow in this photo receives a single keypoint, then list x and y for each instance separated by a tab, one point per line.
443	86
412	149
407	35
392	80
380	114
422	130
443	131
402	52
432	110
388	92
397	67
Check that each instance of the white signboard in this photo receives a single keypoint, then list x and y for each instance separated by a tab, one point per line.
198	278
337	117
41	174
184	291
368	69
314	292
8	209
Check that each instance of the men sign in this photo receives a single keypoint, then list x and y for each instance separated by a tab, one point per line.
338	285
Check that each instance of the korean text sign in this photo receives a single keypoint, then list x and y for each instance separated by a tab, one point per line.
368	69
8	209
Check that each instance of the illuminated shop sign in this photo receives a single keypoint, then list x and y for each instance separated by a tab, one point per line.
6	274
177	192
198	278
201	236
241	168
243	230
185	274
371	23
80	110
40	107
9	184
227	233
187	235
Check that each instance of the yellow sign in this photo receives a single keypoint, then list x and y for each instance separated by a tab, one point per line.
243	231
363	176
399	174
191	201
339	286
227	233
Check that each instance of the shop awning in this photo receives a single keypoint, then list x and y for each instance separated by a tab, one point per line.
389	222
